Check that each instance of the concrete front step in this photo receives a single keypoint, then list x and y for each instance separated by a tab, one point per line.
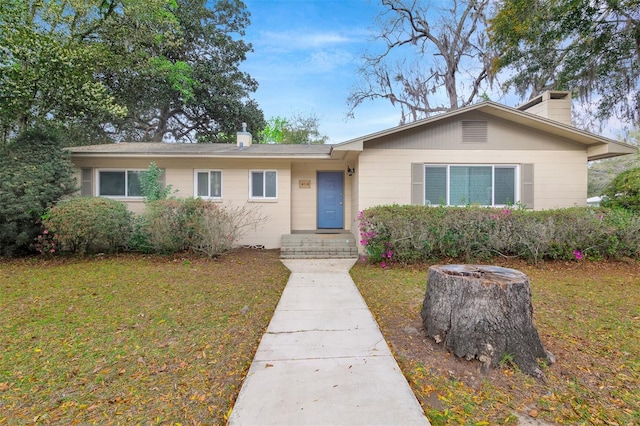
318	246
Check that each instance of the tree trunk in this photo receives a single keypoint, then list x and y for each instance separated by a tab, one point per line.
485	313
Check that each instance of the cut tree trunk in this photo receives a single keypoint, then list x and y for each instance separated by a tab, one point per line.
485	313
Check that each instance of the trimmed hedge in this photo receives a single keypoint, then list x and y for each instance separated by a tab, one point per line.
409	234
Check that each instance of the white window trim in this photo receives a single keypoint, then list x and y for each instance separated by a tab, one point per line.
264	172
97	186
195	183
448	166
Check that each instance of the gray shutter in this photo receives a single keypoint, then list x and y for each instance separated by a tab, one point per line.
526	185
417	183
86	188
163	178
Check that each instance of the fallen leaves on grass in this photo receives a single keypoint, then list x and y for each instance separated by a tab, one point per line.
132	339
584	314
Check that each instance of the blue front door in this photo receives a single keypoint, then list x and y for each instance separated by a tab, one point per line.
330	200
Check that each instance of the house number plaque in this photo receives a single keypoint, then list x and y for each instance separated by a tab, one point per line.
304	183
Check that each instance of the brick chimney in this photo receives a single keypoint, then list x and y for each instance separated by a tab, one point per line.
552	104
244	138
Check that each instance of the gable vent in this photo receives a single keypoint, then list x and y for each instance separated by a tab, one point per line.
474	132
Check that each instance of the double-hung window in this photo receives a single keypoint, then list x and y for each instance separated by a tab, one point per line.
119	183
459	185
208	184
263	184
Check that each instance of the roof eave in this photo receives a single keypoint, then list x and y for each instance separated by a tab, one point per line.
174	155
610	150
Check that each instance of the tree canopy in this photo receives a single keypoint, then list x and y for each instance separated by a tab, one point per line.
602	172
144	70
589	47
299	129
624	191
450	64
47	64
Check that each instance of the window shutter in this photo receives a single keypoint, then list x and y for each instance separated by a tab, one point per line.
526	190
86	188
417	183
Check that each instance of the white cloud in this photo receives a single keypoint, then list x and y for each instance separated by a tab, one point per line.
299	39
328	60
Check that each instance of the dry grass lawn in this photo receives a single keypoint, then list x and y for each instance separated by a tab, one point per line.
131	339
587	315
166	340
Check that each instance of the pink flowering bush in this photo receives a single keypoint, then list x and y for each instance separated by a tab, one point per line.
370	238
45	243
419	233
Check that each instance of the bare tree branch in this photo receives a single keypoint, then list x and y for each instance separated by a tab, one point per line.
448	45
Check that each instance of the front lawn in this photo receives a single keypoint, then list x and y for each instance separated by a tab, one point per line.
165	340
131	339
587	315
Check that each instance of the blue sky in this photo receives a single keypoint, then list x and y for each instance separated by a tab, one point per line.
306	56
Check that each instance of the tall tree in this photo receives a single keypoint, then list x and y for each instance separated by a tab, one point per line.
450	64
185	84
589	47
47	66
139	69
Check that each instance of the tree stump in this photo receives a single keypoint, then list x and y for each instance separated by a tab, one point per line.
485	313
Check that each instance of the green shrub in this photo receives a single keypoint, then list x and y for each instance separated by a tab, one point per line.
89	224
409	234
151	182
215	229
34	174
163	227
624	191
170	226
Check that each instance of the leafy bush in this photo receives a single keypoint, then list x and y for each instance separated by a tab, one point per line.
89	224
162	228
624	191
409	234
152	187
216	228
170	226
34	174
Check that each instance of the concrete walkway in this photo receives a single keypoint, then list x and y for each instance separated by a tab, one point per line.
323	360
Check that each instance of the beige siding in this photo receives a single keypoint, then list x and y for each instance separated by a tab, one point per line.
304	201
560	166
501	135
560	176
235	188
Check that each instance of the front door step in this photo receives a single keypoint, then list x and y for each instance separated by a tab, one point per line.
319	246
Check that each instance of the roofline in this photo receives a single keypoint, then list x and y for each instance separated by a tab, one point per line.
198	155
162	151
489	107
